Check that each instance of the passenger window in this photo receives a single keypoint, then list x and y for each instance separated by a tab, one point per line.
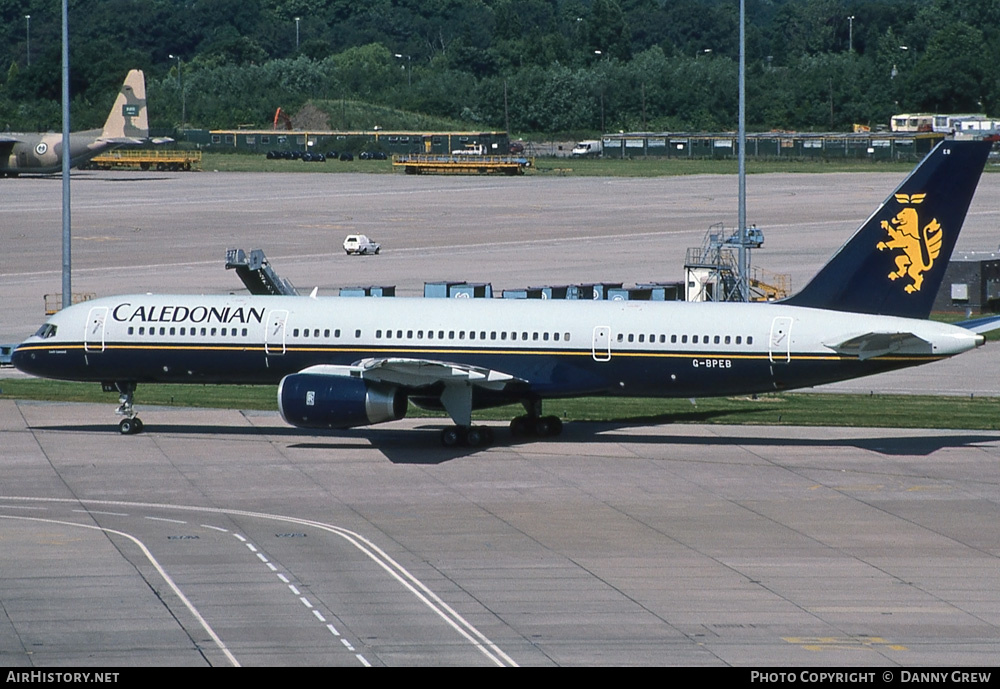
694	339
716	339
642	337
749	339
357	333
295	332
673	339
378	334
684	339
727	339
739	339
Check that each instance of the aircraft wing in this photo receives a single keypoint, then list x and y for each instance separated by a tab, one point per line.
871	345
419	373
458	380
7	139
981	325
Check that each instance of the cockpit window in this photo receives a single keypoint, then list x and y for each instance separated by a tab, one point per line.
46	331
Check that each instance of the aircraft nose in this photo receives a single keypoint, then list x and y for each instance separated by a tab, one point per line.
21	359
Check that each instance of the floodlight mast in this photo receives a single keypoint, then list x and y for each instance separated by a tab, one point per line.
744	263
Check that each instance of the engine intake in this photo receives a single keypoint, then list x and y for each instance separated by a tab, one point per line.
309	400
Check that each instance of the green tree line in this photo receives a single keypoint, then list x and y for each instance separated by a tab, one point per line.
523	65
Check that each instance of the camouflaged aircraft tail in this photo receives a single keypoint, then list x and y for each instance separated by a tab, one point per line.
128	121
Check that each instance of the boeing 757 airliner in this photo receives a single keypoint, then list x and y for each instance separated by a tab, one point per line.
341	362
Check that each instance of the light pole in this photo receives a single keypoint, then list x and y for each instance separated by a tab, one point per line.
180	88
850	34
27	35
408	67
297	20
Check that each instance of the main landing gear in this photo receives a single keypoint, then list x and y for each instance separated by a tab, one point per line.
538	426
532	424
131	424
467	436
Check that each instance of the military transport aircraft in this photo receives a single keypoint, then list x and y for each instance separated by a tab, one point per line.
342	362
127	123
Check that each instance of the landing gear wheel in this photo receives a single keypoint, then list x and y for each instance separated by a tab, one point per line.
520	427
129	426
451	437
473	436
539	426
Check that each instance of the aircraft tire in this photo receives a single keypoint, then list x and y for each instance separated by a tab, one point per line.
555	425
520	427
127	427
451	436
543	427
475	437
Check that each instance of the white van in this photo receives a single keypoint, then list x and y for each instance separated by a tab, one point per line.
360	244
587	148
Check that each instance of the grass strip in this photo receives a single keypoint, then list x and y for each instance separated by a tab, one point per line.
786	409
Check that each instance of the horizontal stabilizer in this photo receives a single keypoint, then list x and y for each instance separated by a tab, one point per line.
871	345
122	140
981	325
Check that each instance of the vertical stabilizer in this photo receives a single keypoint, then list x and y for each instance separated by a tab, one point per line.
894	264
128	119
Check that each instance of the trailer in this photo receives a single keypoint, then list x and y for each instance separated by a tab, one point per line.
461	164
143	159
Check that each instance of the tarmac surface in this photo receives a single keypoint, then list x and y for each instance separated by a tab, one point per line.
222	537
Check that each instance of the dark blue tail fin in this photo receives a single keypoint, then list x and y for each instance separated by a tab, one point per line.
894	263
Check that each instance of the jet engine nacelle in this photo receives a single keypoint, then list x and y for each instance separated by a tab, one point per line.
310	400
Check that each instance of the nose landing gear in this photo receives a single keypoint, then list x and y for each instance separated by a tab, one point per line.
131	424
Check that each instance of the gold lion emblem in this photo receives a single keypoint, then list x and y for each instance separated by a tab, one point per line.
919	247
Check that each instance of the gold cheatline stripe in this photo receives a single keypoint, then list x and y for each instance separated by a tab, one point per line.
587	353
